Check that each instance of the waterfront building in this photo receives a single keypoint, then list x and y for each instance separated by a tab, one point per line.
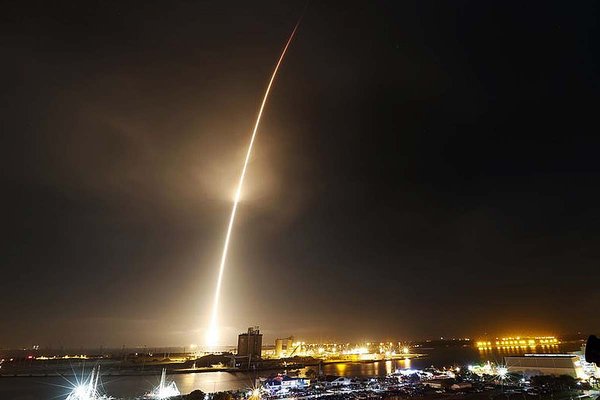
283	383
250	343
545	364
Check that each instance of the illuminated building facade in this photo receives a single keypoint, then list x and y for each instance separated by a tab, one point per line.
250	343
545	364
517	342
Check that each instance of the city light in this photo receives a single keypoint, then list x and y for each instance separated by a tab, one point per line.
502	372
340	351
164	390
517	342
255	394
357	350
88	389
65	357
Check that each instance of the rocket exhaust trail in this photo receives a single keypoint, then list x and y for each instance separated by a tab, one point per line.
212	336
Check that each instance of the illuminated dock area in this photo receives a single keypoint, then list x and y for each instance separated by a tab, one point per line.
518	343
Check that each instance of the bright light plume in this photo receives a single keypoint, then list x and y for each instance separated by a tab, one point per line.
212	335
88	389
164	390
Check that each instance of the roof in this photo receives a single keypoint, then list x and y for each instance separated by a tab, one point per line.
560	361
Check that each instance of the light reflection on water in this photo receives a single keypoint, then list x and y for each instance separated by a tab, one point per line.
379	368
439	357
124	387
213	381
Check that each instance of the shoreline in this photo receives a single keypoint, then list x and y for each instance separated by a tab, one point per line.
154	371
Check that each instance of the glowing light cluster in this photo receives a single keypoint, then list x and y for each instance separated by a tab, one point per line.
357	350
518	342
65	357
255	394
164	390
347	351
88	389
500	371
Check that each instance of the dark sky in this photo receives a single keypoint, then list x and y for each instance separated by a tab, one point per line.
423	169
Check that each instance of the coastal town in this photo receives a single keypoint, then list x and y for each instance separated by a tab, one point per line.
531	366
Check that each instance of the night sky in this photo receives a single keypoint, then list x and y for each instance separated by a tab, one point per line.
423	169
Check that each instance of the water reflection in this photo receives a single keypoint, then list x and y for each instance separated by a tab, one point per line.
378	368
213	381
388	367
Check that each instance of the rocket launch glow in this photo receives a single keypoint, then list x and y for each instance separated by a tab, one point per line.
212	334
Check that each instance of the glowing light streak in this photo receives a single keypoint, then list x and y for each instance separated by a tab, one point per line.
164	390
212	335
88	389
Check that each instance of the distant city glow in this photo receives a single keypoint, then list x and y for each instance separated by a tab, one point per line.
357	350
341	351
517	342
65	357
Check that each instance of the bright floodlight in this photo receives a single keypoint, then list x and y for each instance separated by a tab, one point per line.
88	389
164	390
255	394
502	371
